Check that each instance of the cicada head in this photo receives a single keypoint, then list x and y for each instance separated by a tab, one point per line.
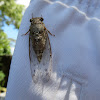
37	20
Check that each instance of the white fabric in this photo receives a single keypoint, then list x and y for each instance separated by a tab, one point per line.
75	52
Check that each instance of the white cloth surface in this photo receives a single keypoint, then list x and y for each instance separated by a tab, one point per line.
75	52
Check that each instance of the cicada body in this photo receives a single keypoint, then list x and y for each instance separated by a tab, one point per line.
38	35
39	43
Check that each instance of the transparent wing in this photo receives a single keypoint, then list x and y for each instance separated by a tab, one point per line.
40	71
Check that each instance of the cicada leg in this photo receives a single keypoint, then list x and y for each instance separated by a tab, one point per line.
49	32
26	33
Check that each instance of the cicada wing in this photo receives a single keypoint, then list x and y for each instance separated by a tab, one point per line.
34	64
46	62
41	70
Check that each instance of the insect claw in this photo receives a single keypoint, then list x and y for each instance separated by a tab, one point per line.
25	33
50	33
53	35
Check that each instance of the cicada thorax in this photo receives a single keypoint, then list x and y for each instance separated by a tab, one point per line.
38	36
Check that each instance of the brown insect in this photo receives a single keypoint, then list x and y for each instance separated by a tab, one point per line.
38	34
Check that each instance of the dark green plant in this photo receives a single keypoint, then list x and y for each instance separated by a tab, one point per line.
2	75
4	44
5	67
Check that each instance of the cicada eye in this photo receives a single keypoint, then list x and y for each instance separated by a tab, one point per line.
30	20
41	19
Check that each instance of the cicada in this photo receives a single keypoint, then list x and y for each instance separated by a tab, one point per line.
39	42
38	35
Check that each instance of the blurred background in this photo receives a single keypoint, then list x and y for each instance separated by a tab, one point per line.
11	12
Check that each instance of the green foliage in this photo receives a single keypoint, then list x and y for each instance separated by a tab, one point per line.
4	44
2	75
10	13
5	61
